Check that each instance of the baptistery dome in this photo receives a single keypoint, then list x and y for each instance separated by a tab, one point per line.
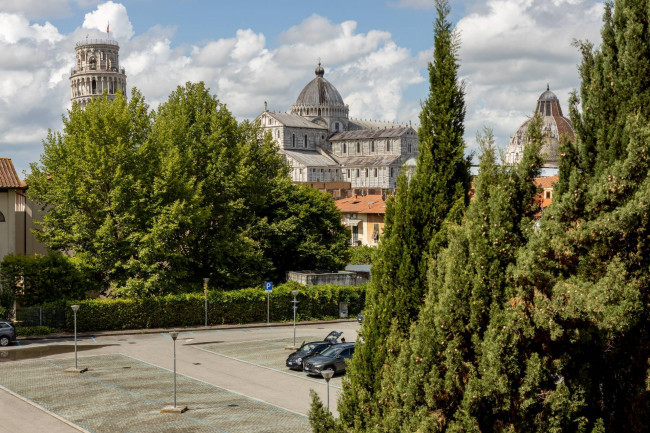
321	103
554	125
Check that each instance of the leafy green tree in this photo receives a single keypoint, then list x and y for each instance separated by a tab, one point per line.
362	255
45	278
89	182
415	226
257	225
156	201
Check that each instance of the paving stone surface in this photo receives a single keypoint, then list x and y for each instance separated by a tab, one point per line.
267	353
122	394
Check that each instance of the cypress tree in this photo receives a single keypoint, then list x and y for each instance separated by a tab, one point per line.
436	192
436	372
584	279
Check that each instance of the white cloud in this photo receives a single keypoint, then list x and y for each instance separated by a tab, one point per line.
113	14
36	9
510	50
417	4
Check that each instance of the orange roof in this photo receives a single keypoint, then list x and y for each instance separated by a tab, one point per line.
546	182
8	176
362	204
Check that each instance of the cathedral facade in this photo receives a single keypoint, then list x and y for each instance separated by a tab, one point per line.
321	143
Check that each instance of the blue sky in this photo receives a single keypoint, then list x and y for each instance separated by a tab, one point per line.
250	51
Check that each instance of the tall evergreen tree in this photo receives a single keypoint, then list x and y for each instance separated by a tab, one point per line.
415	225
437	372
585	278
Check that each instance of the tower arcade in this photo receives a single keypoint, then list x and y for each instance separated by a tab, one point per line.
97	68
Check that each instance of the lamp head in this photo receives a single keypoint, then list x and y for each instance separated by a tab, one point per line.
327	374
205	281
294	293
174	335
74	307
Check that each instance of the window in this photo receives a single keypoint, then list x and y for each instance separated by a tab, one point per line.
345	148
349	173
548	194
336	126
357	172
293	140
375	172
409	147
366	172
391	172
305	140
387	145
372	146
277	134
358	147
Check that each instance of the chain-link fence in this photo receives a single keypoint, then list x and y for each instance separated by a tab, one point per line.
52	316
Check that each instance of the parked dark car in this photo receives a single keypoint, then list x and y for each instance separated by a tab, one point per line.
307	350
7	333
333	358
360	317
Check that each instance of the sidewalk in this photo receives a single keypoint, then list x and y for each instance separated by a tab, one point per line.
65	335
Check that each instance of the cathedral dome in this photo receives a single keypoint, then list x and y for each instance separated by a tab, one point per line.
319	92
554	125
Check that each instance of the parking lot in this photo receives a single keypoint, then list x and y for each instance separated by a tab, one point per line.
232	380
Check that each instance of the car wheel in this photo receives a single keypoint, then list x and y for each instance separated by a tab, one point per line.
4	341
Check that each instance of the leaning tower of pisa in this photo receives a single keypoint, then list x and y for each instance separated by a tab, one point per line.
97	69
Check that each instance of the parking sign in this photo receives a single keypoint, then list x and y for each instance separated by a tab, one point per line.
268	287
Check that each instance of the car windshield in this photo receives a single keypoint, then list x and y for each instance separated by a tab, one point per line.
307	347
331	351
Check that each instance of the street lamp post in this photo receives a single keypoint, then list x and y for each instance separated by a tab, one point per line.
205	294
174	409
327	374
295	307
76	368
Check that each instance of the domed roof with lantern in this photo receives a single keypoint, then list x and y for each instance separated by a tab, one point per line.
321	103
554	125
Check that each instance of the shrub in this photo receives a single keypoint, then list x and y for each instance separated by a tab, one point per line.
362	255
38	279
26	331
224	307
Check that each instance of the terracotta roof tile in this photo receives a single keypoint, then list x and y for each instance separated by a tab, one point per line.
8	176
362	204
546	182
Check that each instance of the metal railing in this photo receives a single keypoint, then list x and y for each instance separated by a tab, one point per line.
97	42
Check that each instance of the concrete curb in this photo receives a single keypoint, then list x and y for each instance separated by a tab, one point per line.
64	335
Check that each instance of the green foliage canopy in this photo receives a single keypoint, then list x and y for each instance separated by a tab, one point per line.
156	201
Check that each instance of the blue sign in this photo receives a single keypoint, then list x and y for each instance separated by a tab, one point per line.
268	287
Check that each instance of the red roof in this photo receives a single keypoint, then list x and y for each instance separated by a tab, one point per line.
546	182
362	204
8	176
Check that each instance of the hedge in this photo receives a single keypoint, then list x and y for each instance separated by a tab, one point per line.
224	307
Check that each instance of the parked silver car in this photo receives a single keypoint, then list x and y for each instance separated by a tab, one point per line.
7	333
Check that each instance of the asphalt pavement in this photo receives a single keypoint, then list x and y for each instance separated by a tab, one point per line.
272	386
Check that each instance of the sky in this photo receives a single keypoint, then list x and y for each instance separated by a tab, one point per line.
375	52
